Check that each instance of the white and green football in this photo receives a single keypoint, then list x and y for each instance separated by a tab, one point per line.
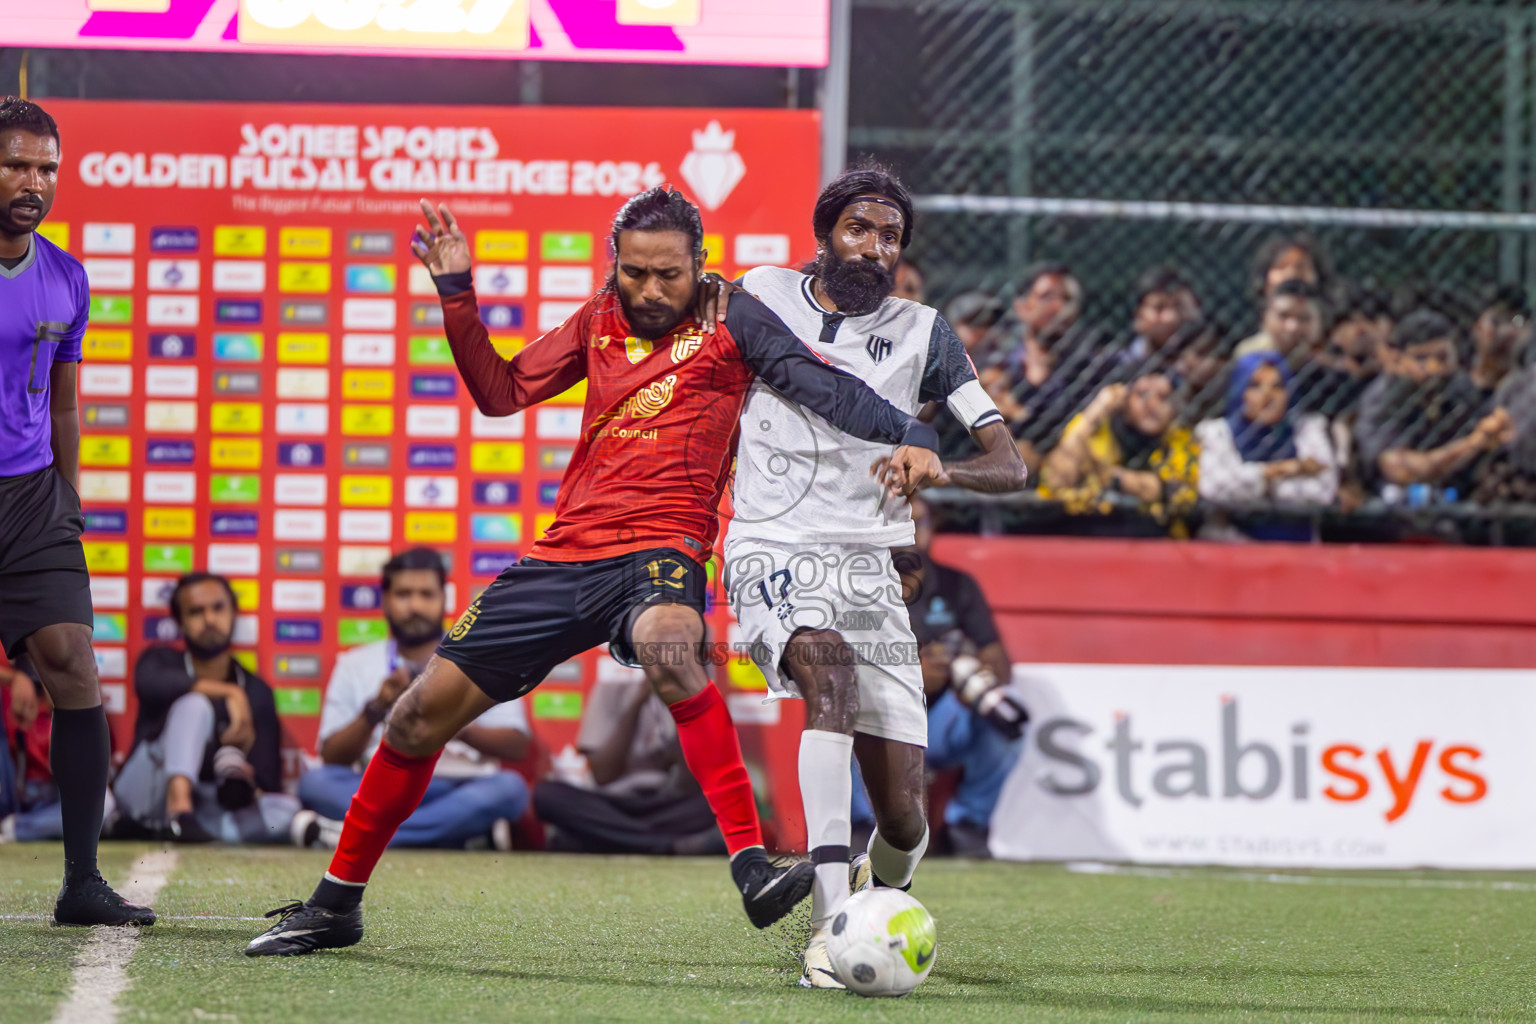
882	943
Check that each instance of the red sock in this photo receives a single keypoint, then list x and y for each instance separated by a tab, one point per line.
713	753
392	788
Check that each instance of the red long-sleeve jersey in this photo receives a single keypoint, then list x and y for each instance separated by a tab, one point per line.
659	427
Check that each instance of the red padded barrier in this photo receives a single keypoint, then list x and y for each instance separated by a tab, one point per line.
1162	602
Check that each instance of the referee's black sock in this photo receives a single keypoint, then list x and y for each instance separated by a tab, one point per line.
79	753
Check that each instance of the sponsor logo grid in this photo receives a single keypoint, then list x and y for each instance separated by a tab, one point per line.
267	391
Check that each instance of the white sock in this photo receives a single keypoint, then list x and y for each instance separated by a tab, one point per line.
895	867
826	790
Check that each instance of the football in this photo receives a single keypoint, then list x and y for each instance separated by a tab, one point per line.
882	943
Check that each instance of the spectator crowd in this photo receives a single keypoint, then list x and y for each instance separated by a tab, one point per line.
1340	413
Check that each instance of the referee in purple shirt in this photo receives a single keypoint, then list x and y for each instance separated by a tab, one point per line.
45	595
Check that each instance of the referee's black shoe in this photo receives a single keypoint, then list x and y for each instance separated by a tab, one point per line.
303	928
770	891
90	900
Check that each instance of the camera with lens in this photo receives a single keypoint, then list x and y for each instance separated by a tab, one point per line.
980	690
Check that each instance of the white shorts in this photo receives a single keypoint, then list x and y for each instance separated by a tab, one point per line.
776	590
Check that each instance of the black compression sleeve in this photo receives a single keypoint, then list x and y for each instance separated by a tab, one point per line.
453	284
773	352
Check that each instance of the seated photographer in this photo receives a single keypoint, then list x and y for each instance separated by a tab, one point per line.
975	722
637	795
472	800
205	765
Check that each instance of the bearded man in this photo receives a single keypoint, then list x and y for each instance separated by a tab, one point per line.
471	799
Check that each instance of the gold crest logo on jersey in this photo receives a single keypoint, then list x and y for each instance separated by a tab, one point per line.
637	348
651	399
686	343
461	628
643	404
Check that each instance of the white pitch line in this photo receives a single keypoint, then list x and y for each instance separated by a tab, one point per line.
1139	871
101	972
159	917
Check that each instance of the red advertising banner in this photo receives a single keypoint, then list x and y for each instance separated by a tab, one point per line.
266	390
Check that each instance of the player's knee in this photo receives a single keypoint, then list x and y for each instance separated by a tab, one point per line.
821	664
667	634
666	642
194	709
819	649
67	668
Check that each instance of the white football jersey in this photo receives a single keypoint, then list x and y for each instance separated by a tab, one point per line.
798	478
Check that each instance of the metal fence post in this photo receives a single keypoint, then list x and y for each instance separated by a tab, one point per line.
1021	126
1514	139
834	93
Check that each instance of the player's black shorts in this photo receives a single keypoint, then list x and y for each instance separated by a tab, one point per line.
42	565
538	614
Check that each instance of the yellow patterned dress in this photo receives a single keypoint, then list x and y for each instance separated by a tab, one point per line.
1176	461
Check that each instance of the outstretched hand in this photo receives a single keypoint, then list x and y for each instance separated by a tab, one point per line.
909	469
441	245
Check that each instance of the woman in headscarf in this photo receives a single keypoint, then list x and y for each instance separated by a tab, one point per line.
1262	449
1127	441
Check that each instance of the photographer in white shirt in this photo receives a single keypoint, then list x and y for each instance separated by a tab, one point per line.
471	798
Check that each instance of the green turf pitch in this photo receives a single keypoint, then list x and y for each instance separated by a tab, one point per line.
528	937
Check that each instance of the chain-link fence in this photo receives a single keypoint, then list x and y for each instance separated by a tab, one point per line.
1378	153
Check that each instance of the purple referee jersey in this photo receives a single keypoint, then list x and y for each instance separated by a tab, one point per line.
44	304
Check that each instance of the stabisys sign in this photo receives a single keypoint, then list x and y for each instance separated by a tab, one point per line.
1285	767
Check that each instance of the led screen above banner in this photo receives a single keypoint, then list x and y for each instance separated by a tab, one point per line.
788	32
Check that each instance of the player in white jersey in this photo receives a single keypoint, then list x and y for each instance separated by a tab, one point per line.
809	565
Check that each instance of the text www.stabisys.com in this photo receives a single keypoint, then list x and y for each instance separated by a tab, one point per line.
1262	846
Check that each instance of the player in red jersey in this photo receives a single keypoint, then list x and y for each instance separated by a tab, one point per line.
636	519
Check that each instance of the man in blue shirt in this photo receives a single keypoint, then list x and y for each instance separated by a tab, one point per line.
45	596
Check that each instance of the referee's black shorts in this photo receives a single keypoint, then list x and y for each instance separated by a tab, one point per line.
538	614
43	580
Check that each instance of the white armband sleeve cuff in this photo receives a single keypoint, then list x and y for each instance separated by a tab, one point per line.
972	406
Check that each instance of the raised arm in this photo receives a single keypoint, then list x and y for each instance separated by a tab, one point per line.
500	387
